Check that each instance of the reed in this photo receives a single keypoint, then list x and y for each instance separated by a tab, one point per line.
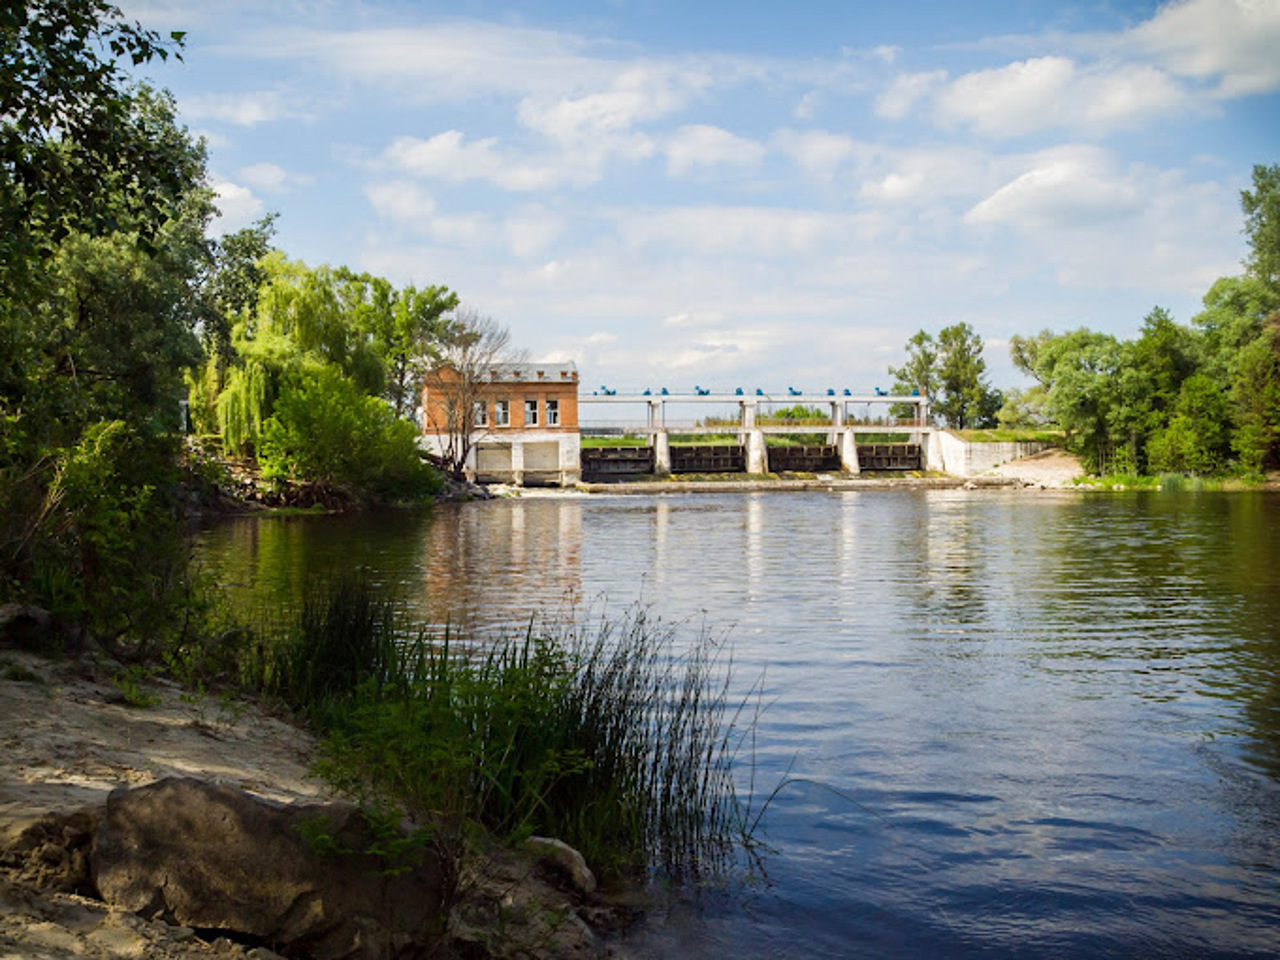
611	735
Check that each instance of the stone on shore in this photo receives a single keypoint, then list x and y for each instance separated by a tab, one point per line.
209	856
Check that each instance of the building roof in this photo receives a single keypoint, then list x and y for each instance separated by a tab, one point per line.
532	371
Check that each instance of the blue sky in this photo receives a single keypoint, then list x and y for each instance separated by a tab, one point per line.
739	194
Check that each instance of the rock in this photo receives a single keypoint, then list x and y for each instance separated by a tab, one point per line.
213	857
52	852
566	860
27	628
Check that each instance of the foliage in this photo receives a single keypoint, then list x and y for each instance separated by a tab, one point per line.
919	374
1024	409
1261	207
75	153
325	430
966	399
94	339
951	371
612	740
311	352
1194	440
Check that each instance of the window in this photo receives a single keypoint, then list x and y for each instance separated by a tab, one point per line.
502	413
553	413
531	413
480	414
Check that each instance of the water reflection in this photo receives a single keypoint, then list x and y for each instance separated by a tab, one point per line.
1032	724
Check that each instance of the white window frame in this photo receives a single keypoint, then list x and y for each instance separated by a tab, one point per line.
480	414
553	413
502	413
531	413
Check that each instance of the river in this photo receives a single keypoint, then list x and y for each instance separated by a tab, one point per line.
1022	724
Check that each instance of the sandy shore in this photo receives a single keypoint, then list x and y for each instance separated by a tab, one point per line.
68	739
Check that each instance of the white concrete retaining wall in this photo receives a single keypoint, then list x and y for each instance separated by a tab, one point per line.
950	454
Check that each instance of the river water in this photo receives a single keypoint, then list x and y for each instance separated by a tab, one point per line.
1022	724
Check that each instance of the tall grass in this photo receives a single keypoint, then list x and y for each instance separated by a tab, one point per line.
608	736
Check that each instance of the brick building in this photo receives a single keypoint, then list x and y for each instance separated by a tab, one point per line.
523	422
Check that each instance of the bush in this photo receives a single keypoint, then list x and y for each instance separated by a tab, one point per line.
99	544
326	430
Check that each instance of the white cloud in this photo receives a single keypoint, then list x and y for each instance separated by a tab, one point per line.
1235	41
1054	92
906	91
639	93
532	230
746	231
1010	100
238	109
818	152
449	156
401	201
1068	188
237	207
270	177
687	319
706	146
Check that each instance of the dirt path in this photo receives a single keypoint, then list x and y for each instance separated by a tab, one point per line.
1048	468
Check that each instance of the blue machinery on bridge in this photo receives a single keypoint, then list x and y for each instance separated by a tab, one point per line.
751	427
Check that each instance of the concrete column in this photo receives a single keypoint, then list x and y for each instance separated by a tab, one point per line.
661	454
849	451
570	459
757	455
517	462
469	464
837	422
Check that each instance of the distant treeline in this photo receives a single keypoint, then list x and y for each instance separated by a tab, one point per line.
1198	399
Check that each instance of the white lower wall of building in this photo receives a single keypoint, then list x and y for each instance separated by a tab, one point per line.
521	457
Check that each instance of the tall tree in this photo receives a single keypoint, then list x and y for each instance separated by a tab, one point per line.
470	347
1079	371
919	375
74	151
1261	207
966	398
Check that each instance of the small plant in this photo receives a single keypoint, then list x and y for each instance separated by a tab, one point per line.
131	682
19	672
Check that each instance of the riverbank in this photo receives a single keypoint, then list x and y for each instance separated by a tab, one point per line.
75	731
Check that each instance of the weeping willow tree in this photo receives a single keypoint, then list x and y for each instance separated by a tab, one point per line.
244	405
308	350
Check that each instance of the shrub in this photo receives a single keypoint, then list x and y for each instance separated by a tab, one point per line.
326	430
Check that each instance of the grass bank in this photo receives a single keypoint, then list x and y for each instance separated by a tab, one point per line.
613	738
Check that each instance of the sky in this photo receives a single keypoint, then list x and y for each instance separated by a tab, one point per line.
745	194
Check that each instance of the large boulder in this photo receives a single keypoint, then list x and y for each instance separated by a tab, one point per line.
298	877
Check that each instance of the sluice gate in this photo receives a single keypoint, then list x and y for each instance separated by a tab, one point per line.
708	458
812	458
890	456
603	464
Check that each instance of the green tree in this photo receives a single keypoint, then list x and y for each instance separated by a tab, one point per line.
919	375
1194	439
1261	207
966	399
75	152
1078	371
920	372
